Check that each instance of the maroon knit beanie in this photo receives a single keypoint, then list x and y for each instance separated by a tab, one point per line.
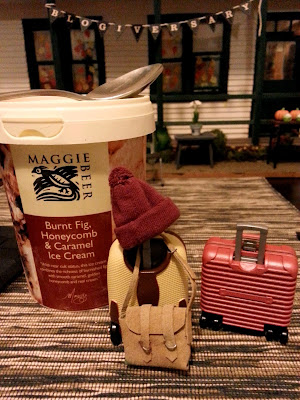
139	211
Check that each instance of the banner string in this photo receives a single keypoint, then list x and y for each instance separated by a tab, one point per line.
211	19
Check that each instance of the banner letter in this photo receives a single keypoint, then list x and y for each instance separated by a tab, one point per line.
155	30
137	31
85	23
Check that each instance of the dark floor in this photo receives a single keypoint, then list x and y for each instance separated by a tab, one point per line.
289	188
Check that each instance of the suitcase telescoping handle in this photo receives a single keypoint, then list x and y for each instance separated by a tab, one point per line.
240	228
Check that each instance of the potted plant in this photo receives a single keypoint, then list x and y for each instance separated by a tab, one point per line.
162	139
195	126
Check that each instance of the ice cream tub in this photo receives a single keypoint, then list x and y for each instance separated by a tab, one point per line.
55	158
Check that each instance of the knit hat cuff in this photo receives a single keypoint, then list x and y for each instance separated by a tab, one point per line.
147	225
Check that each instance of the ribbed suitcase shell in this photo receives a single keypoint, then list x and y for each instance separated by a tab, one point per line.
250	296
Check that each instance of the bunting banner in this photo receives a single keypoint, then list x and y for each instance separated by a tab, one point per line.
173	28
155	29
119	29
212	20
228	15
137	31
102	27
70	18
193	24
85	23
246	7
54	13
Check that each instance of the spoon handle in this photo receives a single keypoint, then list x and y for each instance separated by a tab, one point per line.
41	92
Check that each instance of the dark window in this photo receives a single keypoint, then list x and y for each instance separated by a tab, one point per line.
75	62
195	62
282	61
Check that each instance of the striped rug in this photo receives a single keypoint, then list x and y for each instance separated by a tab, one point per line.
49	354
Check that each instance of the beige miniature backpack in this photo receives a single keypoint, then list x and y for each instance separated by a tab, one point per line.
158	336
165	283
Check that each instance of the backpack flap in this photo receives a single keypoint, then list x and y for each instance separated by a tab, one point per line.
156	336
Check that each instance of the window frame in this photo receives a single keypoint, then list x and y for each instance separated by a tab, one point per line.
188	61
284	86
62	54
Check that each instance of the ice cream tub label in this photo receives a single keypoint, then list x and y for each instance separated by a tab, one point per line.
56	181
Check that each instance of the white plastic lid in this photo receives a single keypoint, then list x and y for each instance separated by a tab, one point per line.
57	120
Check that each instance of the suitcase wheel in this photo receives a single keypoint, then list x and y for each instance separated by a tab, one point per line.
203	321
284	336
216	323
269	334
213	321
276	333
115	334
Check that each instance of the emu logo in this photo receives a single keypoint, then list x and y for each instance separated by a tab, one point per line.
56	184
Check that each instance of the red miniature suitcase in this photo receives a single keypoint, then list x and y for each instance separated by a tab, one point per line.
249	284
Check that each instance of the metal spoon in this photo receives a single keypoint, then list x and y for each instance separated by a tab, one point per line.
127	85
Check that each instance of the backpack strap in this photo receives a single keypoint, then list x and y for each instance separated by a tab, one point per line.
186	267
135	276
133	284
